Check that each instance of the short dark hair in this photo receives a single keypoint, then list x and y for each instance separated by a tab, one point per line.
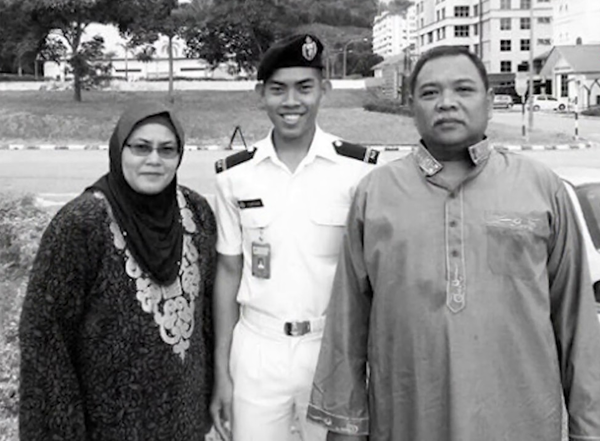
447	51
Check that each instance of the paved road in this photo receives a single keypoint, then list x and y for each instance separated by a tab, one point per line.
589	127
57	176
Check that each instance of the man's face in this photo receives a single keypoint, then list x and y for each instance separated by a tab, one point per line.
291	97
451	106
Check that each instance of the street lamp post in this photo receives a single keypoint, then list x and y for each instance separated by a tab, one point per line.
531	71
346	52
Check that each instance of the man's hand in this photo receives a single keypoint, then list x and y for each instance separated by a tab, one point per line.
220	407
332	436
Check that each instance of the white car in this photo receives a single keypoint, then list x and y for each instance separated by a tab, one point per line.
583	185
547	102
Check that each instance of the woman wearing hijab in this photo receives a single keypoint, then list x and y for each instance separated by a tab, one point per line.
116	330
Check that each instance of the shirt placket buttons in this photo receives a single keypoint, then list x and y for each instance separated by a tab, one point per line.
455	290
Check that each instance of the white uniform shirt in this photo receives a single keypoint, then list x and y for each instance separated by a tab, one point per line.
302	218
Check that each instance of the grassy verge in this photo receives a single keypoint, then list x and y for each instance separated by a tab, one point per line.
209	118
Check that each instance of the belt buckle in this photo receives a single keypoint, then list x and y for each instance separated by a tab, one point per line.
296	329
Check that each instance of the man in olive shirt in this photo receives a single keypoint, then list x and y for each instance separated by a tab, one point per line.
462	285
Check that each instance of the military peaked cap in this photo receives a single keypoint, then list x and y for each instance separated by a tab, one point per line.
302	50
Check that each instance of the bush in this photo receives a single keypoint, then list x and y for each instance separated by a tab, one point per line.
387	105
7	77
21	226
591	111
22	223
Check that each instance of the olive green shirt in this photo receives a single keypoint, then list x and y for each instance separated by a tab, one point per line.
471	306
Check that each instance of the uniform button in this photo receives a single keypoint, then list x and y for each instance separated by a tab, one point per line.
453	223
454	253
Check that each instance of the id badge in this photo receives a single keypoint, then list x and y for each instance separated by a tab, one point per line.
261	260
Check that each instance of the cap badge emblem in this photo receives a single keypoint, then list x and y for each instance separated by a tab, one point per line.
309	49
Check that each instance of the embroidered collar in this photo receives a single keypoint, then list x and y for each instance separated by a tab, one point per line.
479	153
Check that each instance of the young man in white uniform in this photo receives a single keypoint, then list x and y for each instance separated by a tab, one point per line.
281	210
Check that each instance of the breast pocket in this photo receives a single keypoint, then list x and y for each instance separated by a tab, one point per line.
517	243
255	223
327	228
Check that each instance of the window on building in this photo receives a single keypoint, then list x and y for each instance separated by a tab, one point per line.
438	15
461	11
544	20
525	23
443	32
443	13
476	10
525	44
505	4
461	31
505	45
505	24
476	49
525	4
564	85
422	23
430	37
505	66
544	41
475	29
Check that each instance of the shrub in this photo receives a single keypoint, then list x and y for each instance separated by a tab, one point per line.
22	223
591	111
21	226
7	77
387	105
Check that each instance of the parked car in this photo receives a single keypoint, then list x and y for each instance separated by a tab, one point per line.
503	102
547	102
583	186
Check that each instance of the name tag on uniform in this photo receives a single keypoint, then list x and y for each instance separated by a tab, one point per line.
250	203
261	260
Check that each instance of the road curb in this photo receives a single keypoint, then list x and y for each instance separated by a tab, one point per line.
382	147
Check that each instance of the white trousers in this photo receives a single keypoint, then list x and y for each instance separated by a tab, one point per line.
272	377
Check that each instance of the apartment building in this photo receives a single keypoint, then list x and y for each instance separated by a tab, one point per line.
499	31
392	33
576	22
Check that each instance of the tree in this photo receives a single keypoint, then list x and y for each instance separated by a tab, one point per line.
69	19
241	30
238	30
143	21
399	6
20	37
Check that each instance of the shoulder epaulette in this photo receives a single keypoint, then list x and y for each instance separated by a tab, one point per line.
356	151
233	160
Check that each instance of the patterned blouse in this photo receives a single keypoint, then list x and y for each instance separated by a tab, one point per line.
107	354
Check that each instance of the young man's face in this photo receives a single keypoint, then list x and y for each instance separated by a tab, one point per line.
291	97
450	103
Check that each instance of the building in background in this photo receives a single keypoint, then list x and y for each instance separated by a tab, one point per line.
576	22
499	31
393	33
574	72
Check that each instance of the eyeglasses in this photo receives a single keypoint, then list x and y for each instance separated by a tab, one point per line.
166	152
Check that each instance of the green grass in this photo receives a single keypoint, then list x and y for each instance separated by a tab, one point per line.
208	117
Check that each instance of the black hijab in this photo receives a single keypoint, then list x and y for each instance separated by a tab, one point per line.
151	223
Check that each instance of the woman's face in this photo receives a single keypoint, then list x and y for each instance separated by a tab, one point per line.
150	158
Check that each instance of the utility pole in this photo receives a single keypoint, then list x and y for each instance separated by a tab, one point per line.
531	69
